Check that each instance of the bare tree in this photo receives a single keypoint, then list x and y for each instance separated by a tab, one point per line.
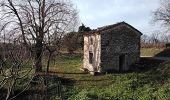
144	41
164	38
40	24
144	38
162	14
18	77
154	38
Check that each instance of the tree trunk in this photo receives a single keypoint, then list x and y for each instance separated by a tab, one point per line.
48	62
38	56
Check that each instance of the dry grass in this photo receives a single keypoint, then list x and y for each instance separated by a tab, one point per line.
151	51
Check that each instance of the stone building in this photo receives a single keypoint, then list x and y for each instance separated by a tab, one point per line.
111	48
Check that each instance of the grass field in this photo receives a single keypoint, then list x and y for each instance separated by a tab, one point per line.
150	82
151	51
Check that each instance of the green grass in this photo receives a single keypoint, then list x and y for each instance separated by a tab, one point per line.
150	51
151	84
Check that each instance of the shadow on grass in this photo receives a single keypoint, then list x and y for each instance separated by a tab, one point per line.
152	71
146	64
2	92
68	73
41	87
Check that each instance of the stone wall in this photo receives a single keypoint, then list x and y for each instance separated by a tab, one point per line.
111	45
119	41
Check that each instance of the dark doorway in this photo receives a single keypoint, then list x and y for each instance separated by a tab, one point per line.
90	57
122	62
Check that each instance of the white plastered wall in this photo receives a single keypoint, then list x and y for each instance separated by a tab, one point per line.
96	48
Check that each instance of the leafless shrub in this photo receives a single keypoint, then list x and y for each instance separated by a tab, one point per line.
15	65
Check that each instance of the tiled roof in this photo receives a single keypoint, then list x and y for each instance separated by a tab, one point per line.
105	28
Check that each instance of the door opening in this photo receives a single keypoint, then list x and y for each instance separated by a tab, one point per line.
122	62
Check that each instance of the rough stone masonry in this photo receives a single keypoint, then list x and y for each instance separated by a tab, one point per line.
111	48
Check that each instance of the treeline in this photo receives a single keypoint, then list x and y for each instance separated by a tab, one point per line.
74	40
155	40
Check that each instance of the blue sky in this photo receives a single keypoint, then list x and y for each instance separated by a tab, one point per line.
98	13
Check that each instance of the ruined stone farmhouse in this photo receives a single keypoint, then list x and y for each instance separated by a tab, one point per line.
111	48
